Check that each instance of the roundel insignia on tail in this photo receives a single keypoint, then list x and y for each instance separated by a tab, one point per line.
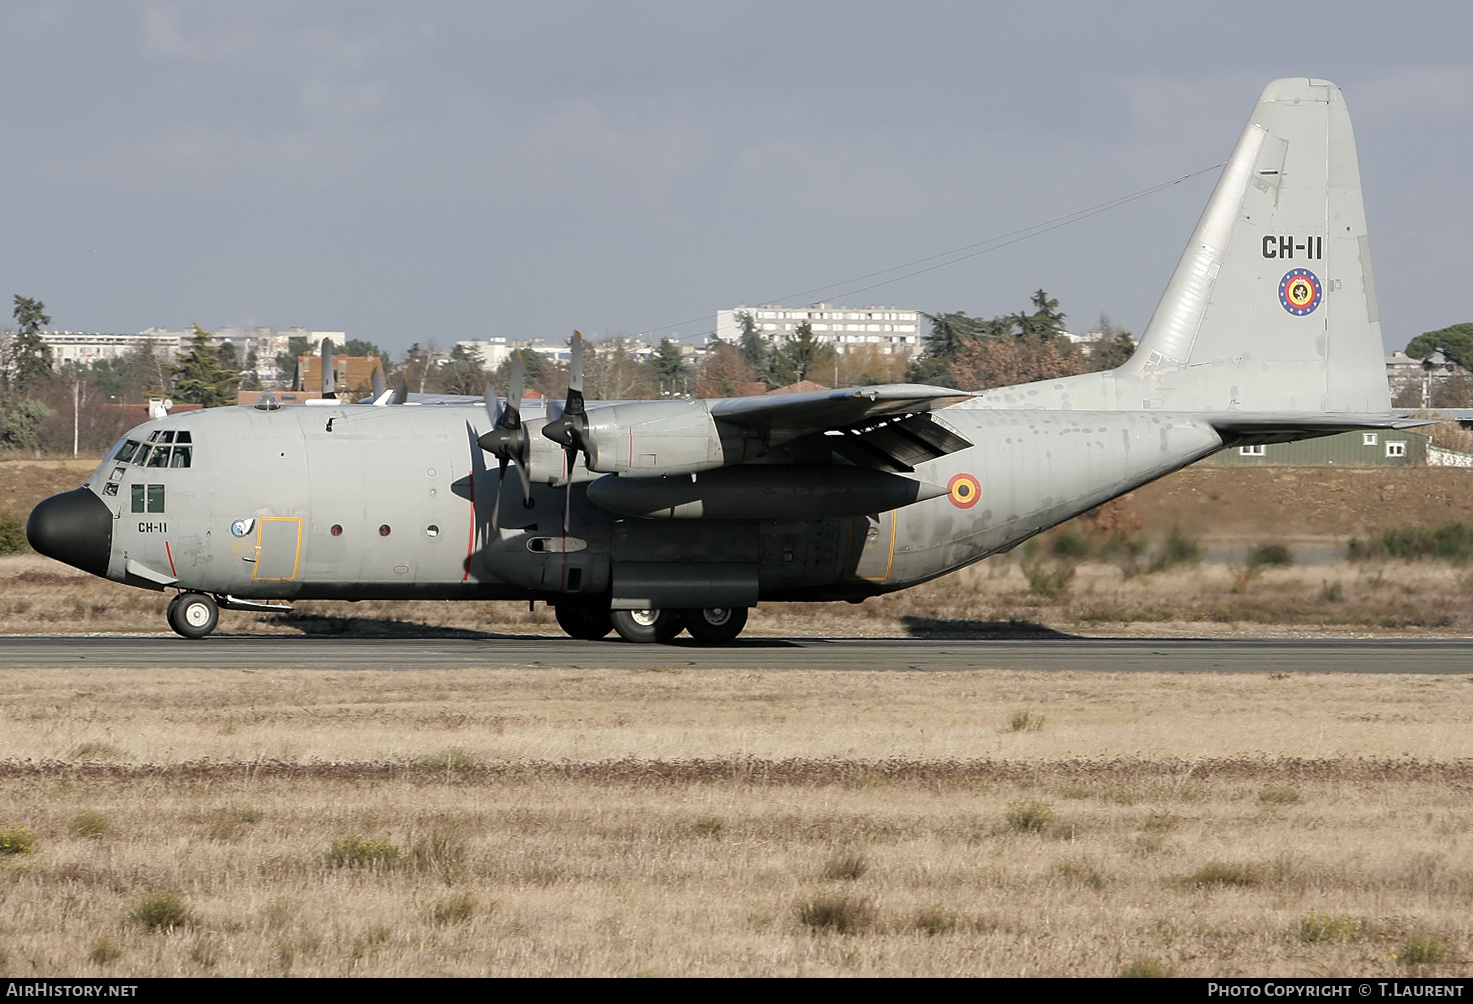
965	491
1299	291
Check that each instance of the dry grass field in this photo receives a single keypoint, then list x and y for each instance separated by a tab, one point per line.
668	823
510	822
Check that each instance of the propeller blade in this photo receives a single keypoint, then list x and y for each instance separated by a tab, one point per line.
401	391
508	439
570	428
378	382
329	376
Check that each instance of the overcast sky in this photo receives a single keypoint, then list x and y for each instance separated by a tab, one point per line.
408	172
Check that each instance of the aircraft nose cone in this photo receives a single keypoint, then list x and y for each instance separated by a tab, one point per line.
75	527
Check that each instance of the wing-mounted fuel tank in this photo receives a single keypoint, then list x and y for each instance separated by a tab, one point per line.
648	438
788	491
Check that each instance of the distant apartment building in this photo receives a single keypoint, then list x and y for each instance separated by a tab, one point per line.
495	351
893	330
86	348
1415	382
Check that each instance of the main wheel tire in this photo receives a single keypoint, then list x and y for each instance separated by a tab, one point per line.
645	626
193	615
587	623
715	625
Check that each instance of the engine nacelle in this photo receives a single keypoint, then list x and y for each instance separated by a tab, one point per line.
762	492
649	438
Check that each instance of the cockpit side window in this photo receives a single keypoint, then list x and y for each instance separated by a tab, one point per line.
141	457
181	456
126	451
159	457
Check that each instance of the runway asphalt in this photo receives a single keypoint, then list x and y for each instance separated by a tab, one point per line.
1058	654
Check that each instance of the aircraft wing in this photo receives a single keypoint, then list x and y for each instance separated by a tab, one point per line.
820	410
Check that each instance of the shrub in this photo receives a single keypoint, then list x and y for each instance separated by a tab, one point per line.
231	824
1047	580
1449	542
1071	546
440	853
1422	948
455	909
12	534
1030	816
1277	795
16	840
708	826
1149	969
356	852
1177	549
96	751
841	914
846	866
933	920
1025	721
104	951
1269	555
88	824
161	911
1322	927
1222	873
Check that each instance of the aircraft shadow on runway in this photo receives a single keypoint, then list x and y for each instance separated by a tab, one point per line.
937	627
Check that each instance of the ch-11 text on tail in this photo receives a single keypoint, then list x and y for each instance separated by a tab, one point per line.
654	517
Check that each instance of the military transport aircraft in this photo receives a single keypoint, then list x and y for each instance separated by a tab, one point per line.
653	517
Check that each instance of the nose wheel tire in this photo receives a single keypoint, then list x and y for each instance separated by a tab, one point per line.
645	626
588	623
193	615
715	625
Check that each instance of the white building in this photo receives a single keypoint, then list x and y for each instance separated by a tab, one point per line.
86	348
895	330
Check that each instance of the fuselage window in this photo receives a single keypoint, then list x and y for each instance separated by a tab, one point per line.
182	436
126	451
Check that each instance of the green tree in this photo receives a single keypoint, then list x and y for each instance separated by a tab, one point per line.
296	346
1046	321
462	373
535	367
29	355
801	357
1455	342
21	429
756	352
199	377
669	368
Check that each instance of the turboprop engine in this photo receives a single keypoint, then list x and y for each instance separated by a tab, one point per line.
650	438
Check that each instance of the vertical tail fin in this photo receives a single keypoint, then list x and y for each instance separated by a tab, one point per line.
1272	307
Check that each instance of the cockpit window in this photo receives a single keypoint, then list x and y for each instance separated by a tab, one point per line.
155	452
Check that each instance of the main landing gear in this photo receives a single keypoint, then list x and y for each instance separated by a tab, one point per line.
708	626
193	615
